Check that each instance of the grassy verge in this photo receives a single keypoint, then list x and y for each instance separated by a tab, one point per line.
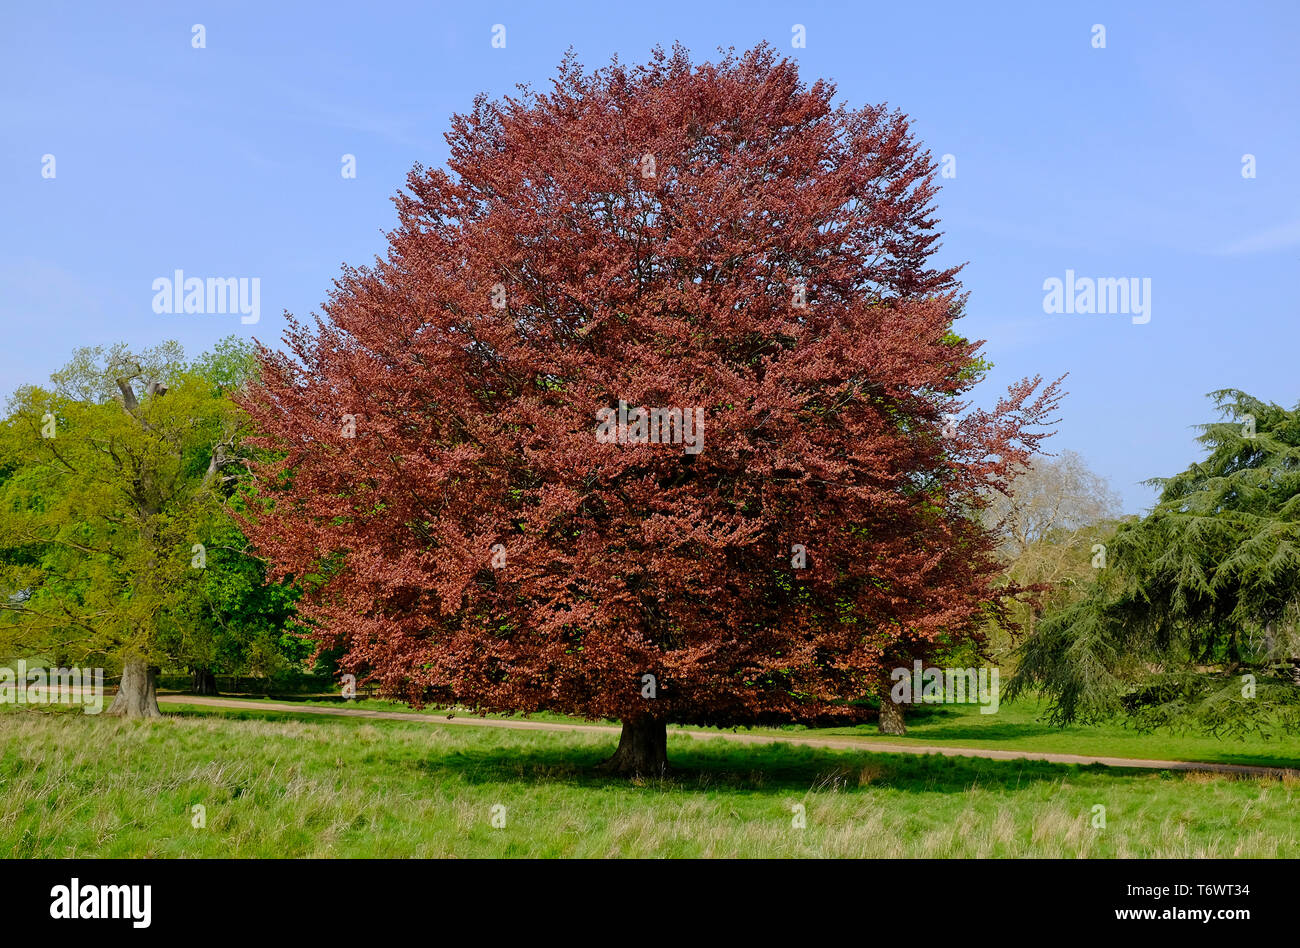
73	785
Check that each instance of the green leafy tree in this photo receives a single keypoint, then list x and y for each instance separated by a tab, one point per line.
1193	621
114	481
236	622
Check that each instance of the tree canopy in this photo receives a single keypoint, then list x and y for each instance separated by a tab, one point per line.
1193	622
1047	527
718	240
114	541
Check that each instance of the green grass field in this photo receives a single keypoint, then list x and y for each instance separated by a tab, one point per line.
299	785
1014	727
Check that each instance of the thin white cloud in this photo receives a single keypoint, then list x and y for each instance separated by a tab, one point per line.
1280	237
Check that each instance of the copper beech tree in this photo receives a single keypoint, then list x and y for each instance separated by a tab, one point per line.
651	412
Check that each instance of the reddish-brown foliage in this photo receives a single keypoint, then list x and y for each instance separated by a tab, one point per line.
824	423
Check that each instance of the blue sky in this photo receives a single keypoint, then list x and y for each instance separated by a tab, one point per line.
1117	162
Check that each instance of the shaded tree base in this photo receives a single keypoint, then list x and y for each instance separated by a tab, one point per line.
891	718
137	695
642	750
204	681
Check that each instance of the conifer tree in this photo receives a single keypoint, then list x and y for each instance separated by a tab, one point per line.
1192	622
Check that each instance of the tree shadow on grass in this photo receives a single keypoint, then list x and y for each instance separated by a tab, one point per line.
555	757
700	766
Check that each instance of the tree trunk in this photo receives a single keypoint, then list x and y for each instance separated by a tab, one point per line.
136	695
642	749
205	683
891	716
